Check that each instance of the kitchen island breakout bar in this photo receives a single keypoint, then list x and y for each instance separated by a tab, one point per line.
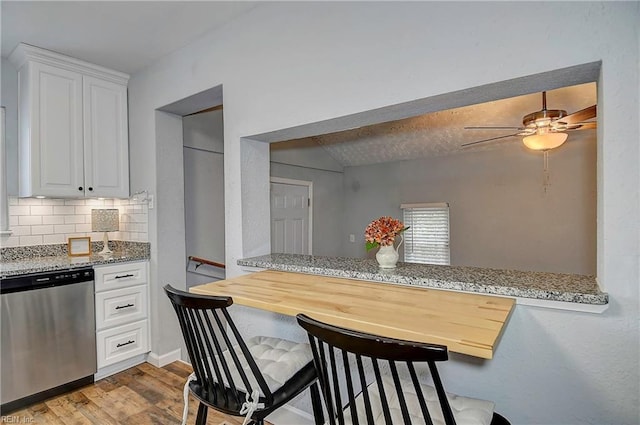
466	323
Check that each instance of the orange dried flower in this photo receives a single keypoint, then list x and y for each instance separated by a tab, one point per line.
383	232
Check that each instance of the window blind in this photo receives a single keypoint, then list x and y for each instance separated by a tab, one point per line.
427	239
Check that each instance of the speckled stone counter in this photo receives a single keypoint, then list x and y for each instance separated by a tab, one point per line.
571	288
44	258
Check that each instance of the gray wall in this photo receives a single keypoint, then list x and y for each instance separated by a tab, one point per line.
310	162
501	217
322	60
203	141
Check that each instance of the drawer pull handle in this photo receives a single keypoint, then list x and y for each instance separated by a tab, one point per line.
118	307
123	276
126	343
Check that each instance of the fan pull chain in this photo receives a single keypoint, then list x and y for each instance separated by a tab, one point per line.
545	174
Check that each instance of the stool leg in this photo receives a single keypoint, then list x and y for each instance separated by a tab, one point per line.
201	419
316	403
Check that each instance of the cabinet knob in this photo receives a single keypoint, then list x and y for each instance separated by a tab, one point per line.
80	188
90	189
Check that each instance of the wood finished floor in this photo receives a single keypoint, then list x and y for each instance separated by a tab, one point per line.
142	395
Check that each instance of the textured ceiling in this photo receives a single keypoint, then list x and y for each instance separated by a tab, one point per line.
442	133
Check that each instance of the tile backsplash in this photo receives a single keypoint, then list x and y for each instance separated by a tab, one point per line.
51	221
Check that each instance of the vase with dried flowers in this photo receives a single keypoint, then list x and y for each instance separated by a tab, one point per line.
382	233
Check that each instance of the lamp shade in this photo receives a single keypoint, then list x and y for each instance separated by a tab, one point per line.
546	141
106	220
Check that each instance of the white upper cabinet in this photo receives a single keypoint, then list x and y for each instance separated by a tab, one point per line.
106	136
73	127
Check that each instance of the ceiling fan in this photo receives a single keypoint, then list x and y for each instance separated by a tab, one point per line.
544	129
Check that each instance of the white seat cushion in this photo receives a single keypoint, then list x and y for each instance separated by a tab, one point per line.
278	360
467	411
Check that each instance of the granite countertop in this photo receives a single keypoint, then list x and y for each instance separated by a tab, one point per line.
46	258
565	287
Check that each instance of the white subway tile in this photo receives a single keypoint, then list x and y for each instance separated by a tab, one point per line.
36	221
30	240
51	239
74	219
41	210
29	220
42	230
95	202
21	230
65	228
19	210
96	236
53	219
83	209
9	241
29	201
64	210
83	228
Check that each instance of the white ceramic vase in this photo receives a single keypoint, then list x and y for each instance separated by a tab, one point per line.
387	256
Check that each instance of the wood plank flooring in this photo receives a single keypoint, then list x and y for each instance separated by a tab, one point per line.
142	395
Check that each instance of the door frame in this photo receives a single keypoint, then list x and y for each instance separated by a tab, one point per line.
294	182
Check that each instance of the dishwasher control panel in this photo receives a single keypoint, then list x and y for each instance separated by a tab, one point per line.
44	280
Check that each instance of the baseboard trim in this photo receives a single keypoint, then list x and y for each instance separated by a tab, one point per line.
164	359
119	367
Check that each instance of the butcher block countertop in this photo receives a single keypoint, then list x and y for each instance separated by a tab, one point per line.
466	323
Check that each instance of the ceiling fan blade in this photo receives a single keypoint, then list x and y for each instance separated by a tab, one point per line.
582	115
492	128
587	125
489	140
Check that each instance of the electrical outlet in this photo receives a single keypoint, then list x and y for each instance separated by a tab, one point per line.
352	238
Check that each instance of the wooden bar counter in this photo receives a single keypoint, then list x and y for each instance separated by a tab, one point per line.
466	323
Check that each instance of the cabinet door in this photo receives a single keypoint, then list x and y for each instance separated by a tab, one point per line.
51	146
106	139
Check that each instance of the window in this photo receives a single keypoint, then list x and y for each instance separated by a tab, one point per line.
427	239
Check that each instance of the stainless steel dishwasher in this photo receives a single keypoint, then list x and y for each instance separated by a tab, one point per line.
48	336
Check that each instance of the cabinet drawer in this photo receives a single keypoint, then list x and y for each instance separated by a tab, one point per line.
121	306
120	275
122	342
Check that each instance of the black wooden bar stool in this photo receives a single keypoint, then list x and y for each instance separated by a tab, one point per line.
252	378
346	360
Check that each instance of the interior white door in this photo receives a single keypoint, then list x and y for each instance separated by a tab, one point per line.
289	218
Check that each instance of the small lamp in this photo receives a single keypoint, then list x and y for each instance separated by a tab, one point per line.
107	220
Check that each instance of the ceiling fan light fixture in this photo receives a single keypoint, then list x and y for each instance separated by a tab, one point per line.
546	141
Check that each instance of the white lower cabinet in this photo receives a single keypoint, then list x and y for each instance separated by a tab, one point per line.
122	325
122	342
